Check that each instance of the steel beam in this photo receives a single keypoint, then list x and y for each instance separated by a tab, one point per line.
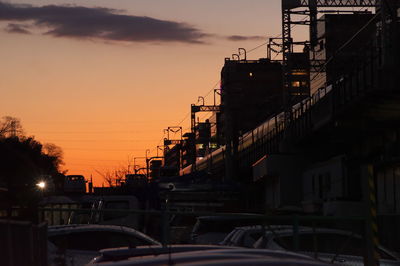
291	4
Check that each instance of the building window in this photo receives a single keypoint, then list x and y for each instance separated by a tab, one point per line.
296	84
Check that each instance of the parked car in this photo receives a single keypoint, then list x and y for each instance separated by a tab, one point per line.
102	213
246	236
211	255
330	245
213	229
78	244
114	254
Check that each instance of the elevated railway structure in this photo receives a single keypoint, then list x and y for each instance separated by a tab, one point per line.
339	99
304	118
320	151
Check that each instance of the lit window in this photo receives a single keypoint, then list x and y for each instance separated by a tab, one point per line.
296	84
299	73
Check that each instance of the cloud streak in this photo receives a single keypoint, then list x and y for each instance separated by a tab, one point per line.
96	23
17	28
237	38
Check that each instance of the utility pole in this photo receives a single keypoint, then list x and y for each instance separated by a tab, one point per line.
147	165
134	163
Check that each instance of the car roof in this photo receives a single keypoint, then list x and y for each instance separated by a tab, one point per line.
230	216
89	227
284	229
126	252
71	228
302	230
220	256
260	227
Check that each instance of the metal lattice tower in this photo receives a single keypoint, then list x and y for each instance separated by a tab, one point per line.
307	8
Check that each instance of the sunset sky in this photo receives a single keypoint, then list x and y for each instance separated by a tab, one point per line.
102	79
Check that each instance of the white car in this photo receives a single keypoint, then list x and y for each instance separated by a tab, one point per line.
329	245
210	230
78	244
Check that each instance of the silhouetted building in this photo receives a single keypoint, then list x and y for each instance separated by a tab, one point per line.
299	67
188	149
334	33
172	161
216	130
251	91
203	138
155	168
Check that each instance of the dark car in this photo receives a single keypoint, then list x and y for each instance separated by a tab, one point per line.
213	229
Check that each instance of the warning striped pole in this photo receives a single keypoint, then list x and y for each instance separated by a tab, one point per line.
371	226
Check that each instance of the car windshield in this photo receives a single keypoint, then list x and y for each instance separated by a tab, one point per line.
222	225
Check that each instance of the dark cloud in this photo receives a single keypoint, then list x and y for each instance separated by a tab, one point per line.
17	28
244	38
97	23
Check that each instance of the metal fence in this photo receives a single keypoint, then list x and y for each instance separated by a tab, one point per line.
23	243
164	221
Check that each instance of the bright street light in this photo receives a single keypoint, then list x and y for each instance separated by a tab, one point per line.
41	185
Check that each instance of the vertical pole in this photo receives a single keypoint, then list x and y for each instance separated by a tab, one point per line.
147	169
147	164
295	233
315	241
165	224
9	246
371	225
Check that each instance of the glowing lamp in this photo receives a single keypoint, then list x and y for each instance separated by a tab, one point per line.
41	185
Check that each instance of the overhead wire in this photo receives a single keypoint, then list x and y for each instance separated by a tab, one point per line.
247	51
213	88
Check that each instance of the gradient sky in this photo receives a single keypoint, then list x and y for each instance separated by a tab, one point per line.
103	83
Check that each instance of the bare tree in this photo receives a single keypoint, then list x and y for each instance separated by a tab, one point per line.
10	127
107	176
113	177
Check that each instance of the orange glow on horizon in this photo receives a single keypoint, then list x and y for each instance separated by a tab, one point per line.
105	103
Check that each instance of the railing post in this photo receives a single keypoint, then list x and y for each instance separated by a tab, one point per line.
295	233
165	224
315	241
